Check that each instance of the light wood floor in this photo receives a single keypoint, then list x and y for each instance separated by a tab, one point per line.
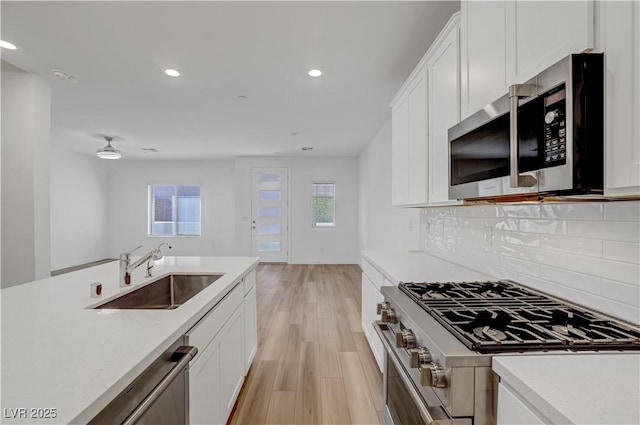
313	364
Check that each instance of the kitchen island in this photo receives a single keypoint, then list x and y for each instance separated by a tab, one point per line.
60	354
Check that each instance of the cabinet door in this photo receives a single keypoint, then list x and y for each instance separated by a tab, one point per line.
400	152
482	55
541	33
370	299
444	112
250	328
513	411
204	386
619	39
232	361
418	143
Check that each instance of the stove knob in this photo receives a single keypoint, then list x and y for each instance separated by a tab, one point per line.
388	316
405	339
420	356
382	306
432	375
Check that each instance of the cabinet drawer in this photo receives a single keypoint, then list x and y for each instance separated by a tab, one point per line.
207	328
249	281
374	275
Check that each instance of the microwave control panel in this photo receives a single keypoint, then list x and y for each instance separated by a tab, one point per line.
555	127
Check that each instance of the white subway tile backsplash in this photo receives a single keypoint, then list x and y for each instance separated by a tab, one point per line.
628	252
520	211
622	211
582	211
582	246
535	255
516	238
625	231
503	223
476	211
588	253
521	266
581	281
557	227
624	272
618	291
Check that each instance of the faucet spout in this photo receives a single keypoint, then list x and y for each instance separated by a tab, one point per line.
126	268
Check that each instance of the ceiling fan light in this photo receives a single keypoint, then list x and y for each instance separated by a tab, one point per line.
109	152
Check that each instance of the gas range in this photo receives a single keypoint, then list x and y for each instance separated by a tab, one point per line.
501	316
440	338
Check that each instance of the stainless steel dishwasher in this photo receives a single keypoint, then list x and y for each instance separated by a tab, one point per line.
158	396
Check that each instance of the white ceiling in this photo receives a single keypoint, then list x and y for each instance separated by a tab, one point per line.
117	52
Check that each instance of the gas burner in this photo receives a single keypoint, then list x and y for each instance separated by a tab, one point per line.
569	330
489	333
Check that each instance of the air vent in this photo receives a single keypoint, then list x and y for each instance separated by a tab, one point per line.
307	148
149	150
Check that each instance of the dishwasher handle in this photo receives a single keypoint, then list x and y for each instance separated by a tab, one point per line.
183	355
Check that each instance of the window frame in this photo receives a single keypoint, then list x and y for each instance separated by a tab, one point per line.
151	210
315	225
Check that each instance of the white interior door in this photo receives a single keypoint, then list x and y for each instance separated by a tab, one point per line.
269	218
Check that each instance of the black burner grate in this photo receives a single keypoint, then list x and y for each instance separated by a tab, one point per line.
502	316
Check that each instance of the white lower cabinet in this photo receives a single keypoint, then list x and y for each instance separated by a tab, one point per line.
226	338
232	363
514	411
250	328
204	387
371	296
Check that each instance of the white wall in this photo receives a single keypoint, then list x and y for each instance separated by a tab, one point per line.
588	253
26	128
383	226
128	210
79	209
337	245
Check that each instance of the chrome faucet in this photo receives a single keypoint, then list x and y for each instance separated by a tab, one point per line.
126	268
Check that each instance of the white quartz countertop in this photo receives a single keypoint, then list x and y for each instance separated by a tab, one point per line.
59	354
576	388
419	267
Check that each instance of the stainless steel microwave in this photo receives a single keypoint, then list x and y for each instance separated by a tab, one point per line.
543	138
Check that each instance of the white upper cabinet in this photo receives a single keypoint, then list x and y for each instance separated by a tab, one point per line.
400	152
539	34
482	54
508	42
409	142
618	36
443	76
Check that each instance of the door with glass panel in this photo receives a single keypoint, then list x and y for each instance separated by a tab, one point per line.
269	224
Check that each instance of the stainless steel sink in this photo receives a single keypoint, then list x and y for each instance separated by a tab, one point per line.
167	293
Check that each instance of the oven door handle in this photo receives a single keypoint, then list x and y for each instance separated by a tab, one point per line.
418	401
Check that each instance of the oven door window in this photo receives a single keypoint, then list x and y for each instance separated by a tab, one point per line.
399	400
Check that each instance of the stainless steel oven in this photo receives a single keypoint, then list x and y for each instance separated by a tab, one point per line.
406	400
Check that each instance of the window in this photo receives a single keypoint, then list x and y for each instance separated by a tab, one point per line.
174	210
324	205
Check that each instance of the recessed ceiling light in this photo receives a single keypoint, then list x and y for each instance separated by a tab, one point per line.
61	75
172	72
242	97
315	73
7	45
